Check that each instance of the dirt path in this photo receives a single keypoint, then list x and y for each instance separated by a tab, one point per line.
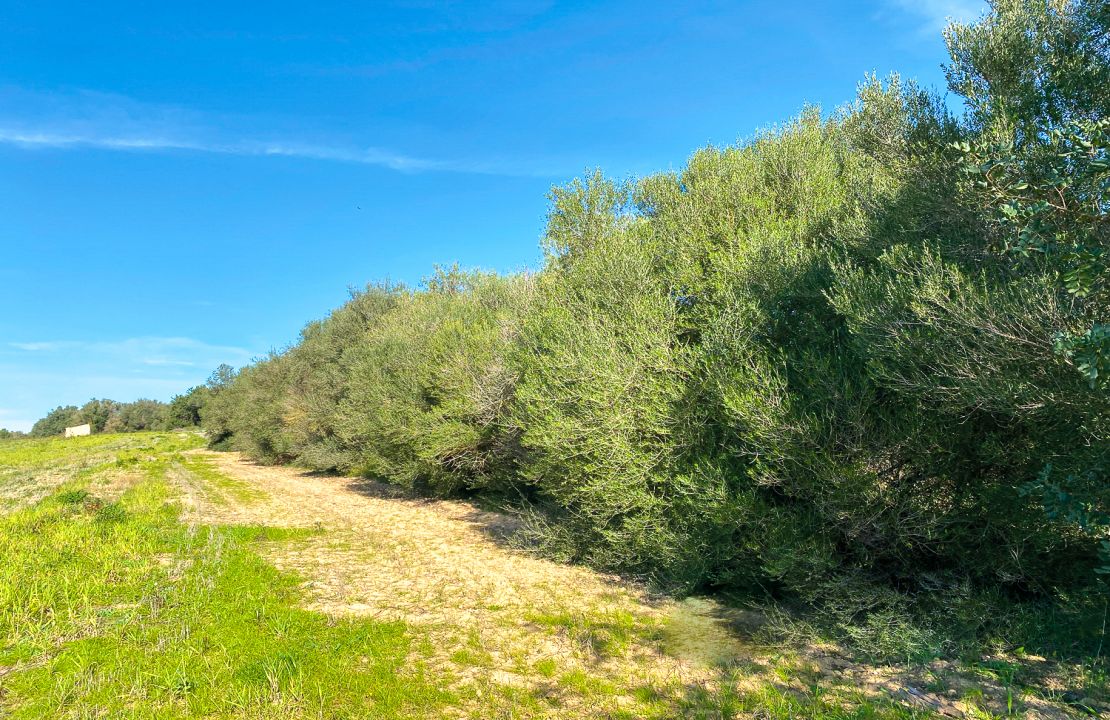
512	634
494	618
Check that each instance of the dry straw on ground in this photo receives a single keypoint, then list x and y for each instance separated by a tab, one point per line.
497	624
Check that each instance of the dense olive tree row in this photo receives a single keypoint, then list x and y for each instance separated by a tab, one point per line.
860	361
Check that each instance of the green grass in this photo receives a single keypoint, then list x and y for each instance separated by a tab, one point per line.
111	607
119	610
22	454
221	486
31	468
777	704
604	633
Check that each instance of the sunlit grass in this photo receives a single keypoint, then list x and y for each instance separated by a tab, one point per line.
31	467
112	607
36	453
220	486
119	610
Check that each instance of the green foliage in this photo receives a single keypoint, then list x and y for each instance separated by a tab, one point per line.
1080	499
138	416
601	382
428	385
55	422
829	364
98	413
1052	208
968	365
216	416
1041	176
254	406
184	410
106	416
1032	65
319	372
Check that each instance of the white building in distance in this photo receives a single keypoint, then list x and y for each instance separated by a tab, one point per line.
78	430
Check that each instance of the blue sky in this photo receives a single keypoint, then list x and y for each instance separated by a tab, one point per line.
185	184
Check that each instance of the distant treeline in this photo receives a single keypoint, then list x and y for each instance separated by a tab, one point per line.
859	362
109	416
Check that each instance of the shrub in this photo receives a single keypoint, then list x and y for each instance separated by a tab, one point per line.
857	361
429	385
319	378
184	410
599	405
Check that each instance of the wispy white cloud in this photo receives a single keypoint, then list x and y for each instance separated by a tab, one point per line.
935	14
26	138
161	349
162	362
37	346
103	121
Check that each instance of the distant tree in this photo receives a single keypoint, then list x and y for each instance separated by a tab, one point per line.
142	415
221	377
98	413
184	410
56	421
106	416
221	403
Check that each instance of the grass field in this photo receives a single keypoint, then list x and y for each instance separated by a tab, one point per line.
139	578
113	608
